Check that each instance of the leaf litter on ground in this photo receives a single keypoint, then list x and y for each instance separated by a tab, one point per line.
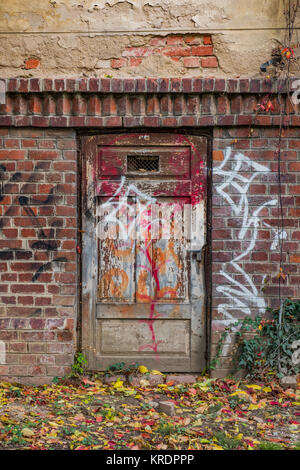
211	414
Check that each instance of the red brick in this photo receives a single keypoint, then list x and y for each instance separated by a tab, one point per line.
169	122
118	63
109	106
294	212
32	63
59	84
58	121
294	189
66	211
12	143
28	143
43	301
49	105
259	256
174	40
151	121
207	40
176	51
66	278
191	62
192	40
94	105
158	41
64	335
202	50
114	121
10	232
209	62
295	166
44	154
35	105
137	52
94	122
94	84
79	105
8	300
135	61
25	300
27	288
12	154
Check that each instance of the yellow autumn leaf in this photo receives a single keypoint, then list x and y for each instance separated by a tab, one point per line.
253	407
204	388
5	419
267	389
127	393
197	423
255	387
155	372
143	369
26	432
118	384
54	424
216	447
238	392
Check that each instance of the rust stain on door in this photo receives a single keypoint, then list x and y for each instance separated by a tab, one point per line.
144	206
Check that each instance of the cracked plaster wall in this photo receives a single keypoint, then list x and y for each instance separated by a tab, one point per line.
74	38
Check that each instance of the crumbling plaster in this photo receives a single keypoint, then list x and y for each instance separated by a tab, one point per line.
72	38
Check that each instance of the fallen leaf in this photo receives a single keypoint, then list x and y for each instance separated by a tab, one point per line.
26	432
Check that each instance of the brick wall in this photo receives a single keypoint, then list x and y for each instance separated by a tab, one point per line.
191	51
38	280
38	206
246	224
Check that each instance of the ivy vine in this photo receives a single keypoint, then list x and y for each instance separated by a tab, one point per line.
265	346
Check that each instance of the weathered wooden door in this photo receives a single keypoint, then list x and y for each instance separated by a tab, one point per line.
144	217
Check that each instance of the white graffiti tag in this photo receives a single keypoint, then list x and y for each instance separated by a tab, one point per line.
240	290
132	214
122	217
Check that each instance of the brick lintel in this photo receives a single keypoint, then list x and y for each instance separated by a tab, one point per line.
147	85
145	102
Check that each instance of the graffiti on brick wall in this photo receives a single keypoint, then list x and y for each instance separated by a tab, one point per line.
46	240
238	173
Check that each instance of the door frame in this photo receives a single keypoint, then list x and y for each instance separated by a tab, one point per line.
87	306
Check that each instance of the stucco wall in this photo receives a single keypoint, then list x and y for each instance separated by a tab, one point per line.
71	38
